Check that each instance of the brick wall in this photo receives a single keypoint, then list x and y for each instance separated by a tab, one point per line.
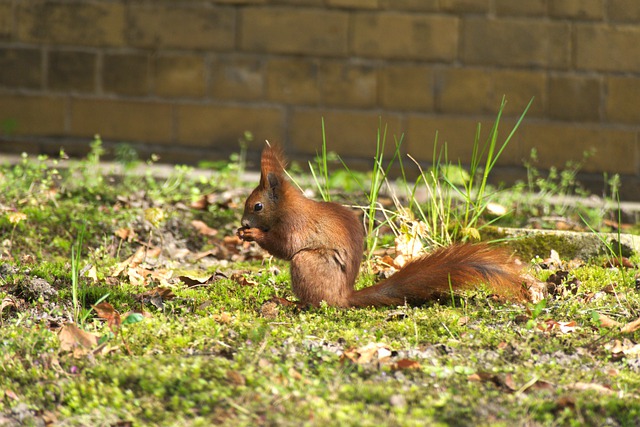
187	78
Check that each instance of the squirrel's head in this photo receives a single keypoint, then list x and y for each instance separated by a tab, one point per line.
261	208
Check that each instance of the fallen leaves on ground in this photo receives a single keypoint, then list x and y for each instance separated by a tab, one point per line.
622	262
241	279
75	340
156	296
203	228
371	352
555	326
378	353
607	322
104	310
504	382
623	348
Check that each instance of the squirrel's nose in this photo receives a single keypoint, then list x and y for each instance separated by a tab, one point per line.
245	223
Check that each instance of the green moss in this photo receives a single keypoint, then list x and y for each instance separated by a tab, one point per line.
209	356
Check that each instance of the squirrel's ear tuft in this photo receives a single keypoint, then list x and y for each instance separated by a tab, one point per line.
272	163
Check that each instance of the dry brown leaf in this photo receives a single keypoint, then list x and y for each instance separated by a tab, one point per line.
223	317
126	234
135	278
591	387
202	203
408	246
536	288
203	228
405	364
624	348
11	394
538	385
104	310
367	353
294	374
242	280
192	280
623	262
156	296
631	326
93	274
506	383
235	377
607	322
76	340
7	301
133	261
384	264
555	326
554	261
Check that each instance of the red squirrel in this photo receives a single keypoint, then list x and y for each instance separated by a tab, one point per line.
324	242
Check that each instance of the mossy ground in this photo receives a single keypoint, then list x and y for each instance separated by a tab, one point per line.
216	354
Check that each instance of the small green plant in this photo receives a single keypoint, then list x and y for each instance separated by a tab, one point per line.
377	179
76	292
474	191
232	169
456	198
557	182
127	156
322	169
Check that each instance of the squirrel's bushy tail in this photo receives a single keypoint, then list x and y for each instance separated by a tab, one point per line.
443	272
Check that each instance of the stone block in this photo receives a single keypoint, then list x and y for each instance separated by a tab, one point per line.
405	36
294	30
516	42
126	74
577	9
298	2
74	23
241	2
463	90
293	81
624	10
221	127
407	87
6	20
454	136
348	133
479	91
416	5
518	87
32	115
623	100
353	4
180	76
607	48
527	8
556	144
348	84
465	6
573	97
20	68
72	71
166	25
126	121
236	77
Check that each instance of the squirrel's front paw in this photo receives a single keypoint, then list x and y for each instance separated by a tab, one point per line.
246	234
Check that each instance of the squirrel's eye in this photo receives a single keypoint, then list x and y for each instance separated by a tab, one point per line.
257	207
